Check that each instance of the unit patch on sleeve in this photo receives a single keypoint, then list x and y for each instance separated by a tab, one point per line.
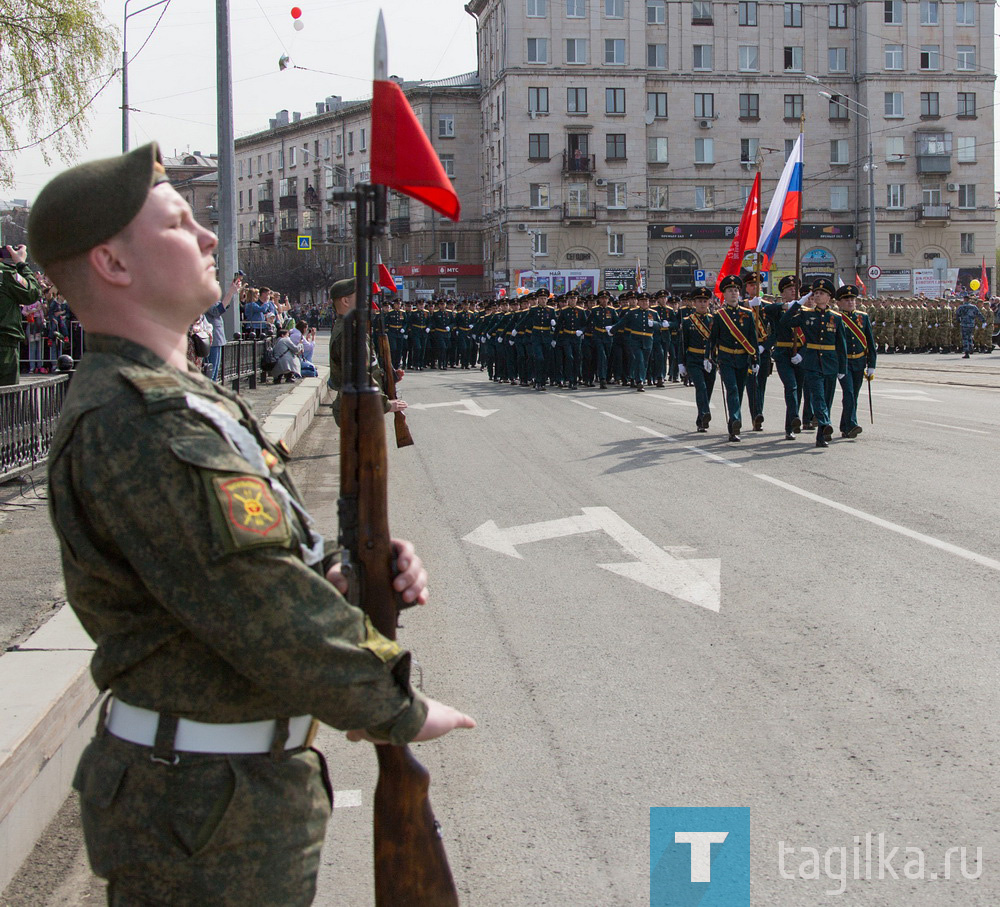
250	512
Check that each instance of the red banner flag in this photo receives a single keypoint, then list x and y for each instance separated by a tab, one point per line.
746	236
403	157
860	283
984	283
385	280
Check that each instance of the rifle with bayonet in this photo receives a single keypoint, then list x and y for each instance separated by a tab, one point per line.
403	436
411	866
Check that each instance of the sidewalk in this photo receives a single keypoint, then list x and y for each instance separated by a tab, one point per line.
48	699
981	370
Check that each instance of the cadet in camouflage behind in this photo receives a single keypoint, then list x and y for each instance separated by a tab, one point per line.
191	561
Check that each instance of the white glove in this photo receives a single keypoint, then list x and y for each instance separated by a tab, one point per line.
805	298
665	324
760	349
754	302
796	359
553	322
755	369
579	333
428	330
870	372
553	344
511	342
513	333
708	365
840	377
448	328
608	329
682	369
403	334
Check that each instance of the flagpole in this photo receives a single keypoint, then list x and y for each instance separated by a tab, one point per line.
802	207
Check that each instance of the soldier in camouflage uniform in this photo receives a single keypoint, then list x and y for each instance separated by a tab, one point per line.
18	287
190	559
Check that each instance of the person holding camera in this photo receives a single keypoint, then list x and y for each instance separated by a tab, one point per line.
214	316
18	287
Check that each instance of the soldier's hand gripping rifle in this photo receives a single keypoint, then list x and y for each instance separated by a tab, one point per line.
403	436
411	867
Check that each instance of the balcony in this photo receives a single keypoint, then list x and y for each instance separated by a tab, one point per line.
286	202
289	236
933	213
579	213
399	225
266	239
265	206
933	163
577	163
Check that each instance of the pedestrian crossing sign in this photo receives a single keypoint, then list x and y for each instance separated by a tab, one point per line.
305	243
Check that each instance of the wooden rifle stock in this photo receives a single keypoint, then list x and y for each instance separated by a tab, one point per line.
411	866
403	436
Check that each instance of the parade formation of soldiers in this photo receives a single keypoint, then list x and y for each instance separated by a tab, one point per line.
815	338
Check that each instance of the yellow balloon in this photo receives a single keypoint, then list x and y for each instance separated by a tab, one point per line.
974	284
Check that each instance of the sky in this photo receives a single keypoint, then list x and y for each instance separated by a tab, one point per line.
172	79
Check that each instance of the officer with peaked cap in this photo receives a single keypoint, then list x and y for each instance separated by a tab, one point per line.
861	357
734	338
190	559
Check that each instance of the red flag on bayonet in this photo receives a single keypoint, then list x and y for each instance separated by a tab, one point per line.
746	236
403	157
860	283
385	280
984	283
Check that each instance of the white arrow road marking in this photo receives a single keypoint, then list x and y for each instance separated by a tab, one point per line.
345	798
469	408
692	580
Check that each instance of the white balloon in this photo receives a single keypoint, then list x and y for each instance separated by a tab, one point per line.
298	25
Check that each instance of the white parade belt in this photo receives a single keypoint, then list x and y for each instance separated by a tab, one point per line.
137	725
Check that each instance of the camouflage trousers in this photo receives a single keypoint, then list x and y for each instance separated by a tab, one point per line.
209	830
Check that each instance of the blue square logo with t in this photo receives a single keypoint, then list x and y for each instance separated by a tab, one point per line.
699	856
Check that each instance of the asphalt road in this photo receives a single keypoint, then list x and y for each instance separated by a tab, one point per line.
639	616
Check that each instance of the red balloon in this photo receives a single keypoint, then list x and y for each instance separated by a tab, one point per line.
296	12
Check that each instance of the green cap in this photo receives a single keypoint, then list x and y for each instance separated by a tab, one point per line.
88	204
343	288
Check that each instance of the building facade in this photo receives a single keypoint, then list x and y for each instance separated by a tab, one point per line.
285	176
619	134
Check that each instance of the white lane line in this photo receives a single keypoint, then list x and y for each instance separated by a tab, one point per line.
345	798
616	418
885	524
697	450
581	403
667	399
974	431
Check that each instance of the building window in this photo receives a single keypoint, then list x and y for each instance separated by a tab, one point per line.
894	150
538	8
701	12
893	104
339	145
538	146
616	146
894	56
793	59
614	9
289	219
966	58
793	15
447	251
749	149
892	12
793	106
448	163
967	104
704	151
539	243
658	198
289	187
930	56
614	100
838	15
326	148
966	195
656	104
656	56
539	195
656	12
929	104
617	195
837	59
704	105
968	243
538	50
704	198
656	148
576	100
576	50
748	14
895	243
929	12
838	108
789	148
576	9
966	149
538	100
838	151
895	195
749	106
965	13
616	244
838	198
291	156
249	198
264	192
614	51
350	143
702	57
749	58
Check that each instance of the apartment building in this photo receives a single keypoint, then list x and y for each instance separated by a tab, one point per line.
625	133
285	175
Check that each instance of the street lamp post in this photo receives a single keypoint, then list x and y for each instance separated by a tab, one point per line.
129	15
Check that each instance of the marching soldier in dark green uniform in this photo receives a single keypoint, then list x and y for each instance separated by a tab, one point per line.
638	325
734	338
191	560
602	318
786	355
416	327
570	321
824	357
861	357
698	365
536	328
439	322
757	384
18	287
395	329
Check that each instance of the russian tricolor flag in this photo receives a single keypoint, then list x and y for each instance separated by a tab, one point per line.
785	209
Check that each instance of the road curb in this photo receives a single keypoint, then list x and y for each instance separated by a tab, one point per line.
49	700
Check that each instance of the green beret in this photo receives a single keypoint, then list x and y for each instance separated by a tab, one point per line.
89	204
343	288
